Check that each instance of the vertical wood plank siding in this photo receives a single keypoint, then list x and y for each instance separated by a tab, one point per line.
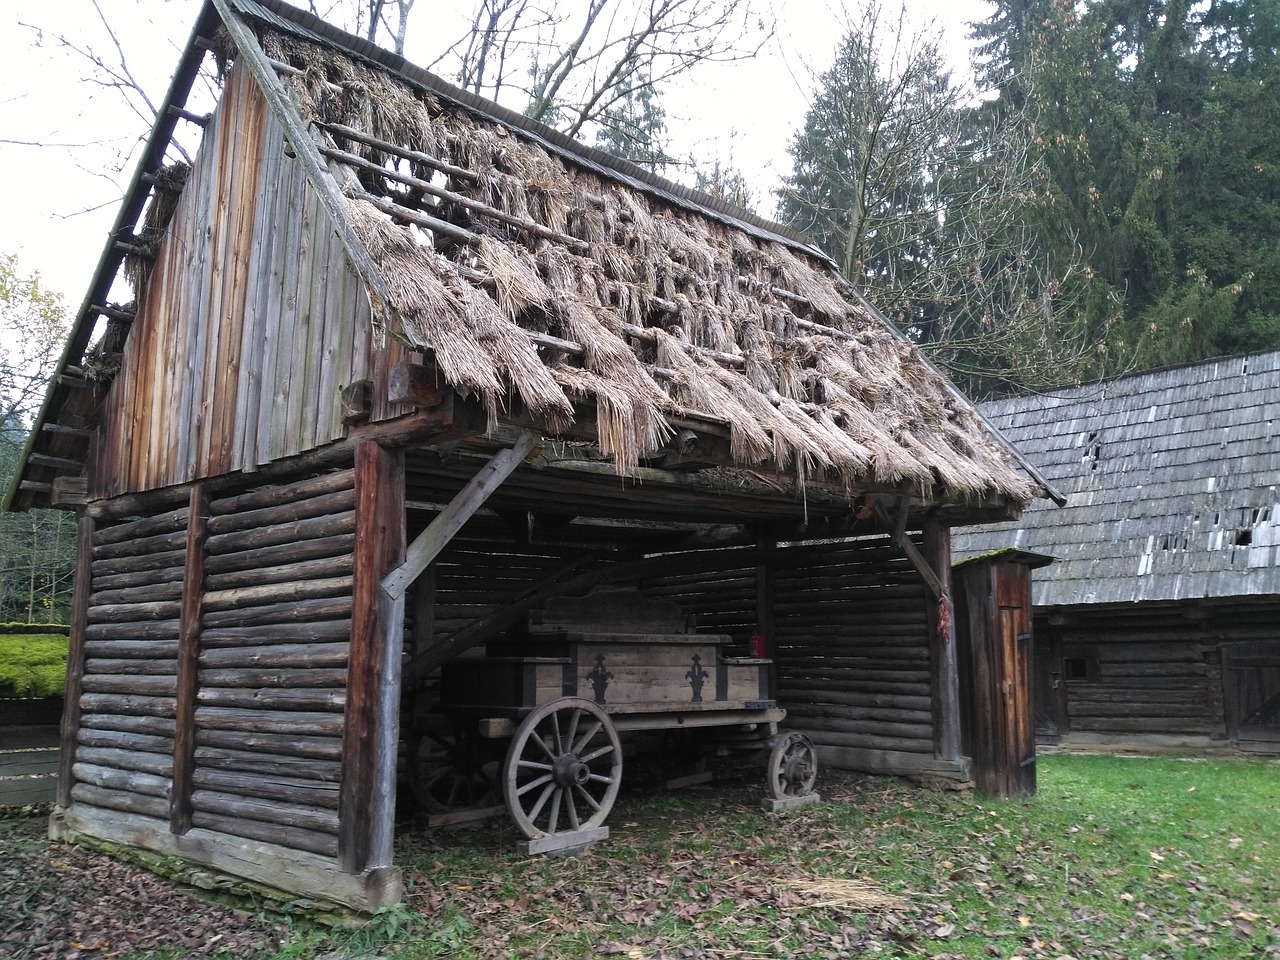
250	326
851	625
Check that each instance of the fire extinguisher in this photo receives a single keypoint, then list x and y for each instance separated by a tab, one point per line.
756	646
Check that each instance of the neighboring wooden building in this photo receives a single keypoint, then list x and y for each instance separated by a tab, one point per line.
1159	622
400	364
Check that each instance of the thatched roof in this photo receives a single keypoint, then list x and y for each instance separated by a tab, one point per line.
537	274
531	277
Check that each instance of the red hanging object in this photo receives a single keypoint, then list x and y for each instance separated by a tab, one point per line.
756	646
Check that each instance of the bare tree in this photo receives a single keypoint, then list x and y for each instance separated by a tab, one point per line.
572	65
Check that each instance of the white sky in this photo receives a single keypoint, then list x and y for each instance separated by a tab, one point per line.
60	198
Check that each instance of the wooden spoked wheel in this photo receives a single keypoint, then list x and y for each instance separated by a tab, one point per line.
449	772
563	768
793	767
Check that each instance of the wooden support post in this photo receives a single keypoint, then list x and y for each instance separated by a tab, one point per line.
764	607
366	797
184	739
428	544
75	657
943	660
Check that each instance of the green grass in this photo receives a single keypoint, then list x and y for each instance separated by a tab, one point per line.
1114	858
1122	858
33	665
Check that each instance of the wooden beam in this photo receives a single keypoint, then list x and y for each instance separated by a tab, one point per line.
57	463
414	384
432	540
69	492
75	658
184	740
366	797
897	527
944	661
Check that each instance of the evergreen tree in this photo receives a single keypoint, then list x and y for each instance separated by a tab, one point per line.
635	127
929	206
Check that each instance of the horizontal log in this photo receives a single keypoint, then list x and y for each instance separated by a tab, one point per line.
297	768
133	649
171	521
165	560
298	531
319	569
868	688
267	594
833	738
129	781
273	699
167	667
123	581
818	705
266	558
272	745
142	685
920	704
265	811
894	763
303	724
132	759
134	612
271	658
308	840
812	718
307	792
145	725
284	493
154	630
124	801
304	610
276	633
140	593
128	705
324	506
142	546
296	679
119	739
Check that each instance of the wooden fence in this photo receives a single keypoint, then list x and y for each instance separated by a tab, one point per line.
28	749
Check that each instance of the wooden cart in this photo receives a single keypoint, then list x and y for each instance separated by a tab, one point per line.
537	719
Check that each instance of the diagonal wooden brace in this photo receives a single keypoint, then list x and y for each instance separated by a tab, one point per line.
460	509
898	531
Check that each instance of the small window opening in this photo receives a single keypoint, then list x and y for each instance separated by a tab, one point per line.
1244	536
1075	668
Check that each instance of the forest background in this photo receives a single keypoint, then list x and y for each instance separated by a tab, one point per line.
1094	189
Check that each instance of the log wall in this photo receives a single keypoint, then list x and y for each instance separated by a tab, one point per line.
851	643
250	325
1179	669
215	686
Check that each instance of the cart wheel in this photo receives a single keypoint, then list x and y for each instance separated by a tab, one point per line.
448	773
563	768
793	767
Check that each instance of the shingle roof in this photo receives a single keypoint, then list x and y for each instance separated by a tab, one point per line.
1172	482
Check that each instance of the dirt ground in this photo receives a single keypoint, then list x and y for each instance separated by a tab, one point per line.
68	902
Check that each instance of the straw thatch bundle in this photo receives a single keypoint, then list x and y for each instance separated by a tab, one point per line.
666	308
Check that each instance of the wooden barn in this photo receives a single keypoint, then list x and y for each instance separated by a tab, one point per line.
412	394
1159	622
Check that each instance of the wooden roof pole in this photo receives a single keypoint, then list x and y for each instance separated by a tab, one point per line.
460	509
